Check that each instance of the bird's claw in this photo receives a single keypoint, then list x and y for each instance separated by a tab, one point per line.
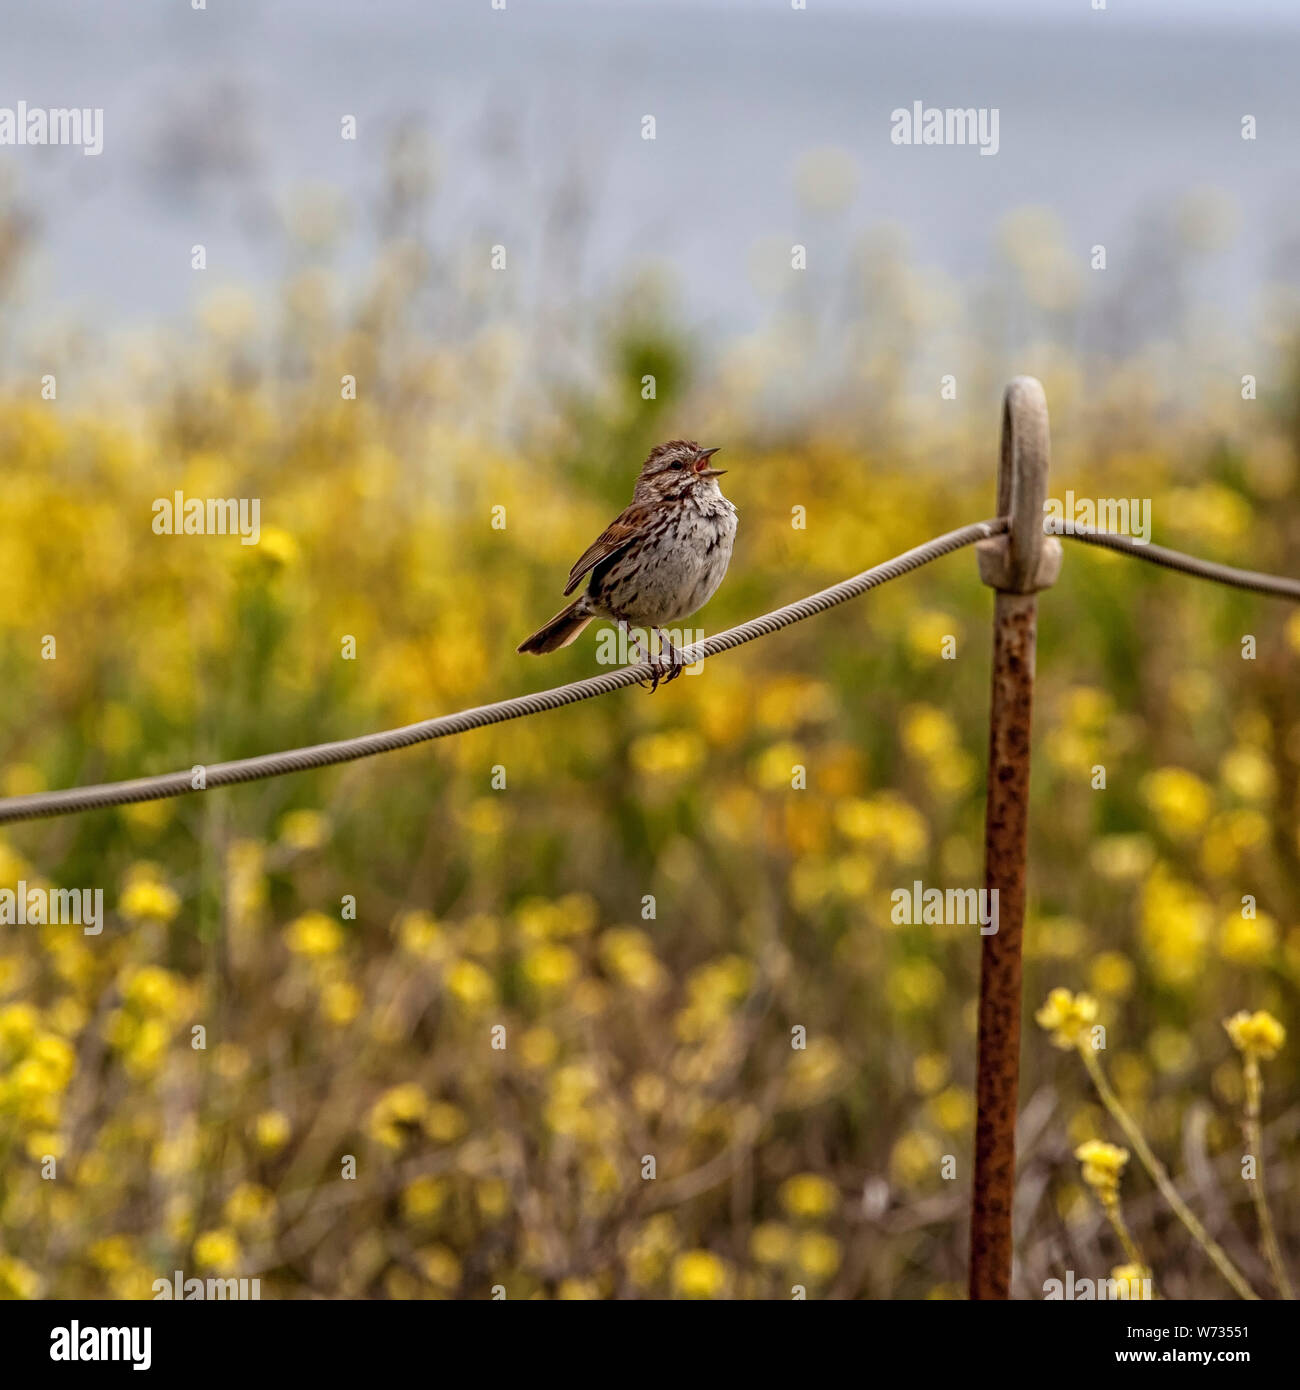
661	672
665	665
654	677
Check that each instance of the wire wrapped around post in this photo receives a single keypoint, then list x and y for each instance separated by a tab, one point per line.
1016	565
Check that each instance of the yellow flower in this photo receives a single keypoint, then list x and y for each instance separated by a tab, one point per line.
926	631
818	1255
1065	937
145	898
538	1047
571	1108
915	1158
1067	1017
178	1151
1256	1035
271	1130
445	1123
953	1109
17	1280
930	1072
887	820
650	1248
485	817
178	1220
1086	708
1122	857
649	1093
946	1293
13	974
774	769
395	1112
550	966
340	1002
1178	799
1248	772
1248	940
48	1066
423	1198
1170	1049
112	1254
313	935
303	830
915	984
1176	924
18	1025
278	546
785	701
715	987
771	1243
147	818
699	1274
250	1204
246	887
439	1266
1133	1281
153	991
1103	1165
471	985
217	1250
12	865
67	1016
927	732
1113	974
421	936
42	1144
814	1073
628	953
1210	510
673	753
492	1197
808	1196
577	1290
22	779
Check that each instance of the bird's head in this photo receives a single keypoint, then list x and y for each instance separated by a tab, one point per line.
676	469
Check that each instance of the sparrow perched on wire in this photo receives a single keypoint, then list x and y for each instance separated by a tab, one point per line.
659	561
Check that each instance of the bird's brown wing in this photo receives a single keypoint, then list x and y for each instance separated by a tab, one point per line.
618	535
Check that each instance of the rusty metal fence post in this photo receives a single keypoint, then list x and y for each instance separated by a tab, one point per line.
1016	565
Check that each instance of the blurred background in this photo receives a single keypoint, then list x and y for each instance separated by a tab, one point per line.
525	905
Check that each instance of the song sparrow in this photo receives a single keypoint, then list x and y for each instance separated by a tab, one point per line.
659	561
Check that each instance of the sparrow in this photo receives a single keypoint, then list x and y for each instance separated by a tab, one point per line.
658	561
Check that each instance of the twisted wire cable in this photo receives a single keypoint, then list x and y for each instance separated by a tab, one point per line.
57	803
1186	564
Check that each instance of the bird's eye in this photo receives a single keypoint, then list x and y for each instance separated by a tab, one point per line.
678	464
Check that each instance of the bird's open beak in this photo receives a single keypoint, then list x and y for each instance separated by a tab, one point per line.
701	459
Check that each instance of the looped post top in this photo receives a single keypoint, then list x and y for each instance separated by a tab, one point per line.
1024	560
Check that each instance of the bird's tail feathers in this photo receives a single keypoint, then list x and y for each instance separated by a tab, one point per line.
561	630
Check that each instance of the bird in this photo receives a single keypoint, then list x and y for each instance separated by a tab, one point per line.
660	560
